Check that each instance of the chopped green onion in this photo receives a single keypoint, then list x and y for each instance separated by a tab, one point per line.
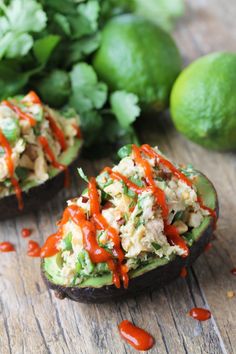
67	242
10	128
156	246
101	268
22	173
137	181
125	151
128	192
103	180
84	265
85	191
188	237
82	174
178	215
137	222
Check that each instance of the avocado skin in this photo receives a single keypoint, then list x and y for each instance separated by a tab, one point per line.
152	280
36	197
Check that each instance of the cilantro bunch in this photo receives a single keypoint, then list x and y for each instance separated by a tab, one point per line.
47	45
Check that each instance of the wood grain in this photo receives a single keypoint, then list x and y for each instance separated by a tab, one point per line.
32	320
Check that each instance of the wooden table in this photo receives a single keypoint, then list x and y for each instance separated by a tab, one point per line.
32	320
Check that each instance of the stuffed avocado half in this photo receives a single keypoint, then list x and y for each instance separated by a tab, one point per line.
134	227
37	145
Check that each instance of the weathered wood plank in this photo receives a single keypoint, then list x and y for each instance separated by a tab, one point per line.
32	320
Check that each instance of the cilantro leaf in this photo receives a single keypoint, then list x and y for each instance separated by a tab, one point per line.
25	16
44	47
90	12
85	21
18	20
91	124
15	44
80	48
62	23
88	93
12	79
125	107
54	88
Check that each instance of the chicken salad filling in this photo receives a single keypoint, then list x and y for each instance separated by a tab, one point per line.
141	209
33	138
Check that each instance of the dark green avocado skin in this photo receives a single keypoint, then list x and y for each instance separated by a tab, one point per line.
152	280
35	198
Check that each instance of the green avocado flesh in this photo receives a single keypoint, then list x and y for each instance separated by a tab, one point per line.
66	158
206	191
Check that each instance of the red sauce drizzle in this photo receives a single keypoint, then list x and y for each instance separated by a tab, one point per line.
6	247
22	115
32	97
45	145
183	272
10	165
208	247
135	336
102	224
33	249
25	232
171	232
175	239
96	253
212	212
119	177
57	131
153	154
78	131
158	193
200	314
50	248
233	271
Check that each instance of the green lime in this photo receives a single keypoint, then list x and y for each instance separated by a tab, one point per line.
139	57
203	101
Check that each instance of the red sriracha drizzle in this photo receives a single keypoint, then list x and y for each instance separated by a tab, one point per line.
183	272
22	115
6	247
208	247
102	224
96	253
10	165
33	249
157	192
98	222
25	232
135	336
233	271
153	154
48	151
32	97
200	314
58	133
171	232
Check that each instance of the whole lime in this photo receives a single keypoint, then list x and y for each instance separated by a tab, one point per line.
139	57
203	101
